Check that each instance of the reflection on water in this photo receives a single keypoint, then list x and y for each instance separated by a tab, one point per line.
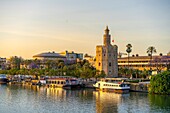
107	102
160	102
34	99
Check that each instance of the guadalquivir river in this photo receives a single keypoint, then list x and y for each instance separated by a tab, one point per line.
34	99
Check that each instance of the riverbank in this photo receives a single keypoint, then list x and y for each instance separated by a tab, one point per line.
53	81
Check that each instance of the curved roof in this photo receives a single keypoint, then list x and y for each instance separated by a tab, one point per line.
49	55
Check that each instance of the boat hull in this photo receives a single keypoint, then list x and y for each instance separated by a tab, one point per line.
114	90
77	86
3	80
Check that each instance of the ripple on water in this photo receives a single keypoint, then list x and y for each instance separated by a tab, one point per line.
27	99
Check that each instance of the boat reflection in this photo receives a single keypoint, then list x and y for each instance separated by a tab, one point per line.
56	93
66	94
107	102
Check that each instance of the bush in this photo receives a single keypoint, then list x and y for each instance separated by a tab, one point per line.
133	81
160	84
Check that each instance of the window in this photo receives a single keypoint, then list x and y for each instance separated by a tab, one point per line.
99	63
110	64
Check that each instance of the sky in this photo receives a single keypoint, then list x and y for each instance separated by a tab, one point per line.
29	27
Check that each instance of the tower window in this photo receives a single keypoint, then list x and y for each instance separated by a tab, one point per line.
99	63
104	55
110	64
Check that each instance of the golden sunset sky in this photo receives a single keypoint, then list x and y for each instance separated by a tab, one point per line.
29	27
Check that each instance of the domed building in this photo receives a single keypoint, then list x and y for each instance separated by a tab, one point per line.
49	56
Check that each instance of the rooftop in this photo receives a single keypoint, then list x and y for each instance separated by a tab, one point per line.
50	55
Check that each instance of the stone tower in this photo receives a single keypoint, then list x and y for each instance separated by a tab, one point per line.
106	56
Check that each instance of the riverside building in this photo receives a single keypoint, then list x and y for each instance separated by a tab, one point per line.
49	56
67	57
106	56
158	63
2	63
72	57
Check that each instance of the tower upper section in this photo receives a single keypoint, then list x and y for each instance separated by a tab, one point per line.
106	37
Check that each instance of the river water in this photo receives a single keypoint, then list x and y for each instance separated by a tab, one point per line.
34	99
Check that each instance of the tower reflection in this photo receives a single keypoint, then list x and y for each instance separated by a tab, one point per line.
107	102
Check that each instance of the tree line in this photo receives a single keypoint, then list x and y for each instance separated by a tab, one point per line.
82	69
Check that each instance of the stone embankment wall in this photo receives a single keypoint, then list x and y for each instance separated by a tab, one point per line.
139	87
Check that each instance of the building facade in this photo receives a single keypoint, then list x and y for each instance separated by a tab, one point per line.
2	63
90	59
72	57
158	63
106	56
49	56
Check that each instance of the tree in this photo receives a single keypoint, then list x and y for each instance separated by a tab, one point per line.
168	53
15	62
128	50
100	74
136	73
145	73
160	83
159	63
123	72
150	51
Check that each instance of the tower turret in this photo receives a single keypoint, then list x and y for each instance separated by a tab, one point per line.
106	30
106	37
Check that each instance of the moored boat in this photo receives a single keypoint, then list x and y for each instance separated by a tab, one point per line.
114	85
66	83
3	79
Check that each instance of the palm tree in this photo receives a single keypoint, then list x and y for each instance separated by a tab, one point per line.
128	50
150	51
15	62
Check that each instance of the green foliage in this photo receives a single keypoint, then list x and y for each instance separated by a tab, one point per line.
160	83
15	62
151	50
129	48
81	69
133	81
125	72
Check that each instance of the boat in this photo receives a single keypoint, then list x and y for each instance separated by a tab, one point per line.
116	85
66	83
3	79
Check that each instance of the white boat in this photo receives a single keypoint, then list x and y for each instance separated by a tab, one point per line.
66	83
112	84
